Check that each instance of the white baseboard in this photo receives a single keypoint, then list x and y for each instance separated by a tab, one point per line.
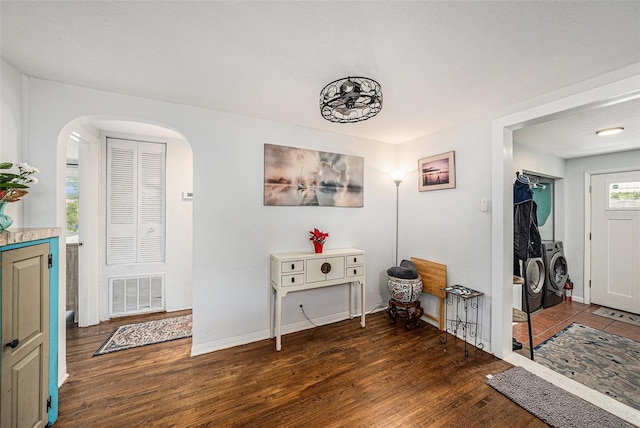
179	309
217	345
62	378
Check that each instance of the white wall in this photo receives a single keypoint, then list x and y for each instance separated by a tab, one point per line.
525	158
233	232
11	128
238	233
575	202
447	226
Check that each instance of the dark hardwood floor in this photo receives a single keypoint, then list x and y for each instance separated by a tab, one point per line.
331	376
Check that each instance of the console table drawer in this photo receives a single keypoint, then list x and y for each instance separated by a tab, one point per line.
292	266
355	259
355	271
292	279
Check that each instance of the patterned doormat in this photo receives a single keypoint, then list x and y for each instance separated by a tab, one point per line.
605	362
554	405
146	333
617	315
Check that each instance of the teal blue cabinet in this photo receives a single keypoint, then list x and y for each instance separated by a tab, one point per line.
44	243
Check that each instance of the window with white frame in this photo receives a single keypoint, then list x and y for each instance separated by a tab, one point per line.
72	200
624	195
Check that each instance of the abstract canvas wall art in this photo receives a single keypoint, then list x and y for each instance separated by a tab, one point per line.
302	177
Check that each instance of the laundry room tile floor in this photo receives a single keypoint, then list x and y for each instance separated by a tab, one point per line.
547	322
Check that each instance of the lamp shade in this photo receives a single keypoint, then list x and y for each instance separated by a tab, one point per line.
398	175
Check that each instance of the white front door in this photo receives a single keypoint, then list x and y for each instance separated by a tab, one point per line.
615	240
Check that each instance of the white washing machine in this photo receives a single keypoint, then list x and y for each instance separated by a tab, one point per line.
535	269
556	272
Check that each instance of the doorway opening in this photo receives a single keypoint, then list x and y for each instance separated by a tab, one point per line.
502	223
86	214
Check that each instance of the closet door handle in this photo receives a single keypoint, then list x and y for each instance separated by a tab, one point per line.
13	344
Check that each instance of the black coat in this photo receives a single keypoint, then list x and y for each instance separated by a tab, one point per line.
526	236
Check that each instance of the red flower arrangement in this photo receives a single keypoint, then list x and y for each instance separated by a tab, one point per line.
318	236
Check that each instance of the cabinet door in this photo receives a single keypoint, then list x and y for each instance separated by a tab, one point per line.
25	322
325	269
337	268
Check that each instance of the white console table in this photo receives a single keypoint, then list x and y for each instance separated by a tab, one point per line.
305	271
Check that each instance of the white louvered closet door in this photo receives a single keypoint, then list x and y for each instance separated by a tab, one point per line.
135	202
122	201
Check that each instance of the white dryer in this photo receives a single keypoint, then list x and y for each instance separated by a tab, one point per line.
557	272
535	271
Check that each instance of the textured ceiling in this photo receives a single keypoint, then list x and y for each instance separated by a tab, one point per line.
439	63
575	135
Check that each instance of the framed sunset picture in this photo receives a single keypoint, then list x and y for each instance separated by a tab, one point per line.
437	172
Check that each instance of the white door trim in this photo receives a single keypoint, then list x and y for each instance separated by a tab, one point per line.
587	224
88	215
598	176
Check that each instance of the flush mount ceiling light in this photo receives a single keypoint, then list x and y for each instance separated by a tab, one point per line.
610	131
351	99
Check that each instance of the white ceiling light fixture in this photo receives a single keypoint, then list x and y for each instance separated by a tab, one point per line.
609	131
351	99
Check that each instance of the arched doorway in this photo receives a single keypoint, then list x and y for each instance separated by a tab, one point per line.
84	141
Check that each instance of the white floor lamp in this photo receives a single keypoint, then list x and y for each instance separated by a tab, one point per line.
397	177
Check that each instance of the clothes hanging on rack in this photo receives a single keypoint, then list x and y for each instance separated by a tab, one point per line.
522	190
527	242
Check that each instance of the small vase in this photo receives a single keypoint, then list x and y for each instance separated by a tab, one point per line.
5	220
318	246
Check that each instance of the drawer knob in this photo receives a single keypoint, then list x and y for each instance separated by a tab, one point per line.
293	266
355	271
355	259
325	268
293	279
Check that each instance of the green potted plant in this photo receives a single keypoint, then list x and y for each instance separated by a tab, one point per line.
12	187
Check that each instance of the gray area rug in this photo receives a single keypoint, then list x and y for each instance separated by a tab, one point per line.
617	315
605	362
551	404
146	333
